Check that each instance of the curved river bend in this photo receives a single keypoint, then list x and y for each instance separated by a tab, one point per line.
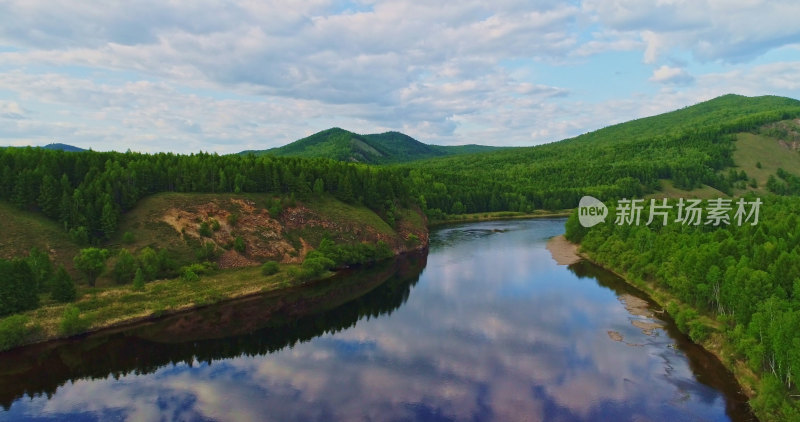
485	327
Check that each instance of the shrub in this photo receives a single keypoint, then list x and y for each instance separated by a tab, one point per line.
214	224
270	268
207	252
233	219
63	289
190	276
204	229
18	290
238	244
138	280
200	268
125	268
412	239
128	238
698	331
79	235
12	331
71	321
275	210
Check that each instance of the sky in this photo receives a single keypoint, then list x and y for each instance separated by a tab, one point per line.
226	76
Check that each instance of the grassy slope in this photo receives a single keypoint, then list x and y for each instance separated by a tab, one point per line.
23	230
752	149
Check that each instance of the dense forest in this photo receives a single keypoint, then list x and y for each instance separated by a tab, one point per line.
87	191
689	146
747	278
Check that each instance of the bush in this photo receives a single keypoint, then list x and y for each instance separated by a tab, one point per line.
233	219
63	289
698	331
79	235
138	280
18	290
270	268
71	321
315	266
128	238
412	240
200	268
238	244
275	210
190	276
12	331
204	229
207	252
125	268
214	224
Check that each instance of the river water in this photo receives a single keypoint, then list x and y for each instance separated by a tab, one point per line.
486	326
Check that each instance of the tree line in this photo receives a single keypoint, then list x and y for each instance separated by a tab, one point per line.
746	277
88	191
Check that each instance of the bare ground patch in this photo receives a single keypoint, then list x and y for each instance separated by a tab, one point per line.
563	251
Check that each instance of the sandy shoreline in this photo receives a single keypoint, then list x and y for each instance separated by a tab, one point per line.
563	251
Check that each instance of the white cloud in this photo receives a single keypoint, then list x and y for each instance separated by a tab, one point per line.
671	75
729	31
11	110
227	76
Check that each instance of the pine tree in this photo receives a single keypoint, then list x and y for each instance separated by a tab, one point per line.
63	286
125	268
138	280
49	196
108	219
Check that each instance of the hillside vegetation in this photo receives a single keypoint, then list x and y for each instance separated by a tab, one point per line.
691	147
735	289
383	148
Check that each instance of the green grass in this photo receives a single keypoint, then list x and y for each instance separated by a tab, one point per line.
22	230
752	149
668	190
349	215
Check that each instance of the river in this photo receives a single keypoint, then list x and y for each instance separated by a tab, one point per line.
486	326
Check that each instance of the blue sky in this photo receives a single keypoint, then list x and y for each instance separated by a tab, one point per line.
224	76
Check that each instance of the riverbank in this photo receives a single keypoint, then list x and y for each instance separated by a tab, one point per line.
500	215
116	306
716	343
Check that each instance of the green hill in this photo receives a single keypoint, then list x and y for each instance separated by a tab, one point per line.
63	147
381	148
692	148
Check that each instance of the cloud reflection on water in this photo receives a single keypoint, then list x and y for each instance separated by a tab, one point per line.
494	330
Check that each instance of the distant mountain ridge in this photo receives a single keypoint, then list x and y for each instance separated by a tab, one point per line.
380	148
63	147
54	147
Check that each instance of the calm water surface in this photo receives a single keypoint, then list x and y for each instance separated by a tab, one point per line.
485	327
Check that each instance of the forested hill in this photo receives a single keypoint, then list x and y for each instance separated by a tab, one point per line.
63	147
687	148
381	148
87	192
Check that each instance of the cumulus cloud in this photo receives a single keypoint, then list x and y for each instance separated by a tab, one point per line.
229	75
11	110
671	75
729	31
